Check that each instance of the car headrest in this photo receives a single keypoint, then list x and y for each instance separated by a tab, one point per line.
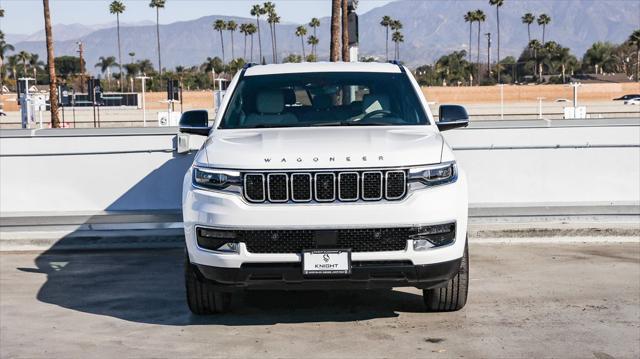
289	96
270	102
375	102
321	102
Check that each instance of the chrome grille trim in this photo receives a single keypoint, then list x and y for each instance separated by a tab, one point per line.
294	175
286	181
315	180
244	188
362	185
357	196
386	186
284	186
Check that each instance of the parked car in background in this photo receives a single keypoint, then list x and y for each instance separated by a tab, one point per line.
633	101
627	97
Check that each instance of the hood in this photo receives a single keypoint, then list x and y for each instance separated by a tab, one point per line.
323	147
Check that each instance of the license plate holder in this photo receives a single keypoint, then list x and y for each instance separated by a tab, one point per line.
326	262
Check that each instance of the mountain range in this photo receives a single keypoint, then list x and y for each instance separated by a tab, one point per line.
430	28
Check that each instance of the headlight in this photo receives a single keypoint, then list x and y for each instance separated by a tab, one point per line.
209	178
434	175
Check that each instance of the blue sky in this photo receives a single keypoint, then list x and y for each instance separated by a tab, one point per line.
25	16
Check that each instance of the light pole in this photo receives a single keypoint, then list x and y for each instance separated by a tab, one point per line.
143	80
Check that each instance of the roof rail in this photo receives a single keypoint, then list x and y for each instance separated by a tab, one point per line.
248	65
397	63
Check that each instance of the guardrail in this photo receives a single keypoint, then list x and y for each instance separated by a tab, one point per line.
89	177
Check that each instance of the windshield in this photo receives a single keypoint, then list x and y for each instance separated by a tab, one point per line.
324	99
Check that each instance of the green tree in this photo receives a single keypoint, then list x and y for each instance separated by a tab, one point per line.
117	8
634	40
301	32
105	64
386	23
251	30
272	19
292	58
528	19
232	26
35	64
313	41
498	4
24	57
544	20
158	4
243	31
470	18
599	58
314	24
480	17
396	37
257	11
219	26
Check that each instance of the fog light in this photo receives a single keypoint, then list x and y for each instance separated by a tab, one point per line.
425	237
218	240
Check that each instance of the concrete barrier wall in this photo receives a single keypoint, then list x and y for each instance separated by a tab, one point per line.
509	164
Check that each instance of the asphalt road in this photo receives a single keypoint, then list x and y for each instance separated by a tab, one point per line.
526	300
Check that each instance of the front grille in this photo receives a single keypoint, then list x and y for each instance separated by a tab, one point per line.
347	186
295	241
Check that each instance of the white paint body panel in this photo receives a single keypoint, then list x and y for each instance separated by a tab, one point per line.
325	148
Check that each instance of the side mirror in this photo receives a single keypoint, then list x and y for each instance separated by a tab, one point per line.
195	122
452	116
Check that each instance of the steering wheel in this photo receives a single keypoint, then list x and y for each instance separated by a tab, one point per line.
375	113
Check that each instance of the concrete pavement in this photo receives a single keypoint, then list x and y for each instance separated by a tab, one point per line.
526	300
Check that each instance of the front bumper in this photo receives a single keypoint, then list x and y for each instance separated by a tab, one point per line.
437	205
364	275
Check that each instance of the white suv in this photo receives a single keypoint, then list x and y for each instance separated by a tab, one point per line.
325	176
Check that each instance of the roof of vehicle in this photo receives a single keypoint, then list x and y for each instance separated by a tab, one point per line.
321	67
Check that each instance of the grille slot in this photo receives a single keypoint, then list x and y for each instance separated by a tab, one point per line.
254	187
301	190
372	186
325	187
295	241
396	184
277	187
348	186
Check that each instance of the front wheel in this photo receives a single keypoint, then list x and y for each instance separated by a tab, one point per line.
453	296
201	296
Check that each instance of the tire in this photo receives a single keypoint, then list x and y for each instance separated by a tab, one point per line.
453	296
201	296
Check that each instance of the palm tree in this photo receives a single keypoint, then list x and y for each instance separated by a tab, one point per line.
243	31
53	81
600	57
256	11
133	56
35	64
219	26
4	48
251	30
386	22
528	19
105	64
498	4
117	8
396	26
345	32
468	17
272	19
24	57
535	45
146	67
313	41
334	49
314	24
544	20
301	32
232	26
158	4
480	17
397	37
634	39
